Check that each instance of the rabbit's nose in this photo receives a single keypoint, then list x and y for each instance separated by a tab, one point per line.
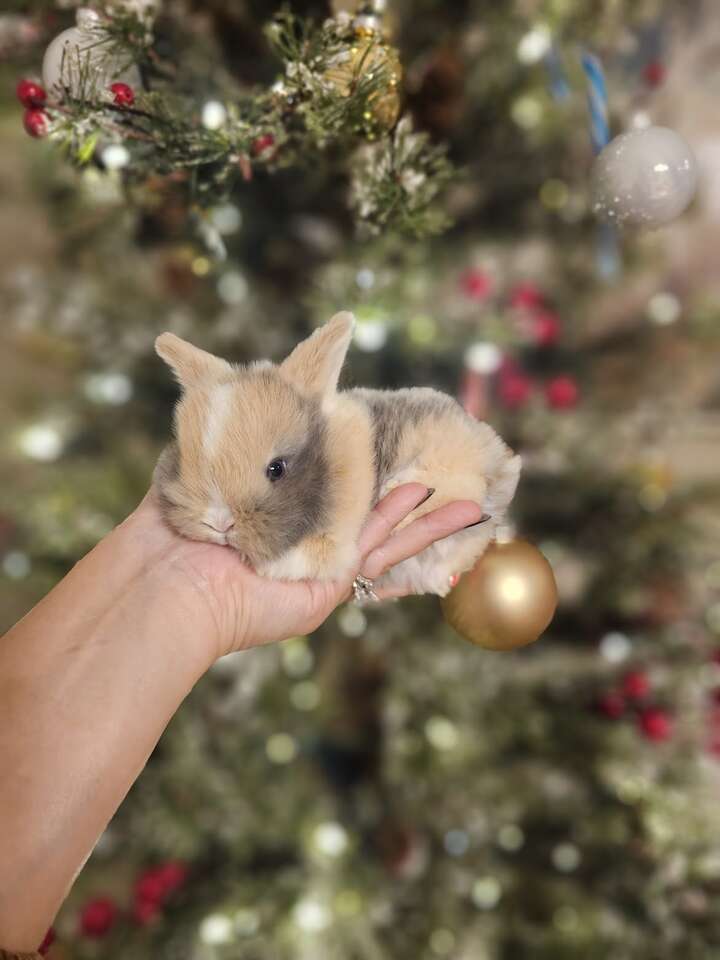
219	520
222	526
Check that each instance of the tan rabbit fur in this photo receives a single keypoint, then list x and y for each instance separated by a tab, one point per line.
341	451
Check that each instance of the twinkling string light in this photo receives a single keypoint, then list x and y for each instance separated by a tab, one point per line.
607	249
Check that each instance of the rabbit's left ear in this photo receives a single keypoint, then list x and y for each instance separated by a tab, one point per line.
314	365
191	365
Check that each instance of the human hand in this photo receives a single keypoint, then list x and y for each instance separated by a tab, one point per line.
243	609
92	674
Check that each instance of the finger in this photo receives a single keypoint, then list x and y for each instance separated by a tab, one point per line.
388	513
420	534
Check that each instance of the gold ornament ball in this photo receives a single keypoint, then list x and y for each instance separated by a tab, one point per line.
507	600
367	56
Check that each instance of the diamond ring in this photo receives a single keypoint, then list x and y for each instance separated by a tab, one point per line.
363	589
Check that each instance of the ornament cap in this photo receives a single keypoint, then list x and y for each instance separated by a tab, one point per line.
86	18
505	532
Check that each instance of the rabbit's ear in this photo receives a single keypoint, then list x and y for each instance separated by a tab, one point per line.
314	365
191	365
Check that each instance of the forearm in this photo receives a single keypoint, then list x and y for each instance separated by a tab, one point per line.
88	681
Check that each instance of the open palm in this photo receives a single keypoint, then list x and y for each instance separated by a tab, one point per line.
249	610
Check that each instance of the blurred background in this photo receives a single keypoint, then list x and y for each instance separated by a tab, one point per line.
383	789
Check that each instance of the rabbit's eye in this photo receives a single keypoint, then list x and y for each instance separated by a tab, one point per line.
276	469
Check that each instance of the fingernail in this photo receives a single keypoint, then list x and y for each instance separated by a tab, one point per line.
483	519
431	491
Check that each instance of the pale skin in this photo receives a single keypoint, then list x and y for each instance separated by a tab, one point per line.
91	676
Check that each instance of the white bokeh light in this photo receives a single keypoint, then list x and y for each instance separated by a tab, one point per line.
615	647
216	929
214	115
483	357
115	156
331	839
486	893
232	287
226	218
41	442
664	309
111	388
535	44
371	335
311	915
16	565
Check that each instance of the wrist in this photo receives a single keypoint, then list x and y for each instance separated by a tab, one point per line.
91	677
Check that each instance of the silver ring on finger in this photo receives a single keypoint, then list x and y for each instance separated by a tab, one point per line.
364	590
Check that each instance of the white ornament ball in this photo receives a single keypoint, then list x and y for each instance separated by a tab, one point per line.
82	61
645	177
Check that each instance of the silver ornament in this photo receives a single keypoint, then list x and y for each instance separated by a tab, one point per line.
82	62
645	177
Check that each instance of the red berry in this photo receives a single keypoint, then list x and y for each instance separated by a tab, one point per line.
262	143
655	724
562	393
124	95
715	656
47	942
611	704
151	886
30	94
35	122
514	390
654	73
713	721
173	874
98	916
526	296
545	328
145	911
476	285
636	685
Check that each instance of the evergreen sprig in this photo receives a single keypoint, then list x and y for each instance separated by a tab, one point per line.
396	179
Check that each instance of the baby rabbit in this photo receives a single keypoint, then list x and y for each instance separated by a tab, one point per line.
277	463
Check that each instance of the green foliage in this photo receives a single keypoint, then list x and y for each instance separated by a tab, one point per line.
303	114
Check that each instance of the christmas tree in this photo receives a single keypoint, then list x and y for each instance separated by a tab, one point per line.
236	173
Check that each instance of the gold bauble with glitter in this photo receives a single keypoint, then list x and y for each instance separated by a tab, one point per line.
507	600
368	56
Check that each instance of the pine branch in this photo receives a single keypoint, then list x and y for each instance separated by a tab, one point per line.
331	93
